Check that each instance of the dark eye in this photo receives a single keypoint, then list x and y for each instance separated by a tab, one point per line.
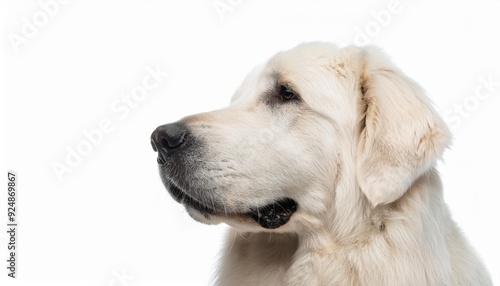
286	93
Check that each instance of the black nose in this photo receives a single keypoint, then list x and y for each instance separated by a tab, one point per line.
166	138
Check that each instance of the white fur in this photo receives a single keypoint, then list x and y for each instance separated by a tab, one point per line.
358	155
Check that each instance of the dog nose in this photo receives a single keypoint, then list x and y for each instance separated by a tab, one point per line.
167	137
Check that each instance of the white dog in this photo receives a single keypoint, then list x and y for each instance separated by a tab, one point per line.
324	166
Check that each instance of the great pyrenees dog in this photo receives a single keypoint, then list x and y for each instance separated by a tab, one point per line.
324	166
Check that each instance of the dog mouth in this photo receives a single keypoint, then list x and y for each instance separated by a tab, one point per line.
270	216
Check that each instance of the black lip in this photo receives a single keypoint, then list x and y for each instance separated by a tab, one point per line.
276	214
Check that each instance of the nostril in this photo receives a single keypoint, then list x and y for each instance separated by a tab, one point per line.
154	146
164	143
173	137
168	137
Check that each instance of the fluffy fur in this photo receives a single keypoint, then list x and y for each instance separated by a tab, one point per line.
357	152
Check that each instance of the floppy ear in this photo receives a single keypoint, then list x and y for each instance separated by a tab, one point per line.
402	135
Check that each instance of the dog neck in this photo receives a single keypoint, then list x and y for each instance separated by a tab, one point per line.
271	258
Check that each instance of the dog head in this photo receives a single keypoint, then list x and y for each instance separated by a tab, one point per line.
309	122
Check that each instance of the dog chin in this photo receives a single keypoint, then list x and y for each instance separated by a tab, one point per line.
203	217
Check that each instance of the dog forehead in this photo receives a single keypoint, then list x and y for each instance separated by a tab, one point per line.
304	55
304	67
310	66
315	62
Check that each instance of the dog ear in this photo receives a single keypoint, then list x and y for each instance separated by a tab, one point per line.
402	136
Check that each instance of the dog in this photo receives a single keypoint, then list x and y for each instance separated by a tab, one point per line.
324	166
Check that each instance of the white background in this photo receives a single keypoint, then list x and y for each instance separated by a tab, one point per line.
110	216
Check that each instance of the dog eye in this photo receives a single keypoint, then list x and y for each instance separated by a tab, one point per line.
287	93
